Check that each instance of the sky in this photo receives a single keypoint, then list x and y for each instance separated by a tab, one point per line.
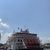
33	14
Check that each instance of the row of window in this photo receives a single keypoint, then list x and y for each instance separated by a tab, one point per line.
19	40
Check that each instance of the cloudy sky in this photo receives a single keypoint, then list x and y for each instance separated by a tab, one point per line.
34	14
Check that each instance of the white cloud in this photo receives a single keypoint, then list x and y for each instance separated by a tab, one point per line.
3	28
4	37
0	19
3	24
45	39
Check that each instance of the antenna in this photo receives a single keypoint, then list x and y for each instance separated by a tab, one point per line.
21	30
18	28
